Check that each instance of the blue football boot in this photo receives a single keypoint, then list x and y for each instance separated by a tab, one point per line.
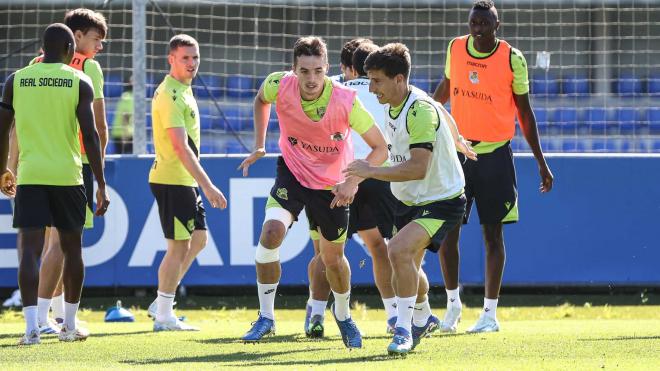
261	327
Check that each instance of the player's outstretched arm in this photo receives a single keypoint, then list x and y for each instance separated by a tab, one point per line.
101	124
261	116
179	140
92	144
441	93
7	179
527	122
413	169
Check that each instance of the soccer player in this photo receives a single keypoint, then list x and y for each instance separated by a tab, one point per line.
486	81
50	190
176	174
371	211
425	177
89	29
316	116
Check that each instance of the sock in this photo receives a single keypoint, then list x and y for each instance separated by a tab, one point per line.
453	298
57	305
342	305
164	302
490	307
267	293
310	300
43	306
404	307
421	313
390	307
318	307
30	315
70	311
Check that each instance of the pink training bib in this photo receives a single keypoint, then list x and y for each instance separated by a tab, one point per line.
315	152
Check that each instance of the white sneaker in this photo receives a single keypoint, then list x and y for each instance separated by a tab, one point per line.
173	325
77	334
485	324
14	300
452	318
50	328
30	339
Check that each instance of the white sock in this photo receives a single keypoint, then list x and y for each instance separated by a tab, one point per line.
405	308
43	307
165	303
310	300
30	315
390	306
267	292
421	313
342	305
318	307
70	311
490	307
58	306
453	298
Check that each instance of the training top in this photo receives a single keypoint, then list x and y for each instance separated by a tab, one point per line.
45	100
173	106
377	110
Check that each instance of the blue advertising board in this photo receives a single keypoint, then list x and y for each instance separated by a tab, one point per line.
598	226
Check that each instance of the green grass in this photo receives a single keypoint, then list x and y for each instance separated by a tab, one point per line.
590	335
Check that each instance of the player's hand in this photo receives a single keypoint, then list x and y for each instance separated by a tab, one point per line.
215	197
546	179
344	193
360	168
8	183
464	146
102	201
251	159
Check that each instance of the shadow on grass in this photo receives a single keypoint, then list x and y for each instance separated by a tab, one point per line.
251	358
621	338
237	340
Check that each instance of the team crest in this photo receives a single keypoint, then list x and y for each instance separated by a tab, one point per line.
191	225
320	111
337	136
282	193
192	114
474	77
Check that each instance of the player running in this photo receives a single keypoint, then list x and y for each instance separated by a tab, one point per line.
176	174
425	177
50	190
371	211
316	116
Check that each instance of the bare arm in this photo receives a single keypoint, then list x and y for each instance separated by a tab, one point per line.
441	93
6	120
527	122
91	142
261	116
413	169
461	144
13	150
179	140
101	123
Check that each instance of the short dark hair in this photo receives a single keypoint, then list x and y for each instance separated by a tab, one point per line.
310	46
360	55
56	38
182	40
346	57
392	59
83	20
483	4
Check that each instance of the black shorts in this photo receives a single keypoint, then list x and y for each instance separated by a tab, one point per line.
180	209
437	218
373	207
88	180
289	194
62	207
491	183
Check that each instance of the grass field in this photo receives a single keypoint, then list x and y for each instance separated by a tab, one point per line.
577	334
